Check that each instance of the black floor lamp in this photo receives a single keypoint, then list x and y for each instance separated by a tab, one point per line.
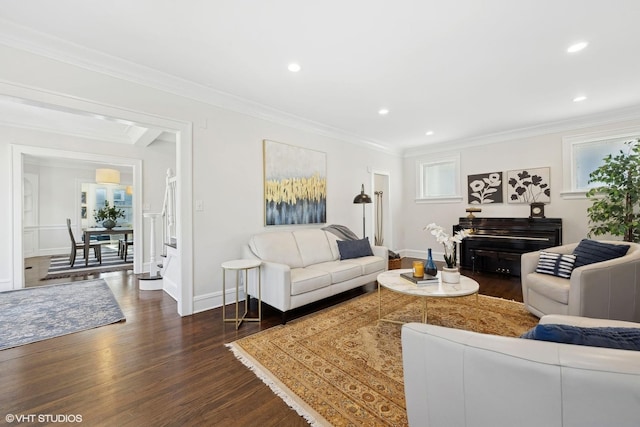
362	199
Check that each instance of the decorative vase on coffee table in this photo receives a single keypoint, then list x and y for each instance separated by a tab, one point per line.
430	266
450	275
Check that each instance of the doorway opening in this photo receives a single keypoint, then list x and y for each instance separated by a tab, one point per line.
184	160
42	231
383	233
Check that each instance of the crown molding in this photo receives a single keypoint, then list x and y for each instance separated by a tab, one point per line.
26	39
574	124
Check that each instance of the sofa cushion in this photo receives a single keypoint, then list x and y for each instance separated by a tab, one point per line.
592	251
279	247
333	242
368	264
552	287
555	264
610	337
307	280
340	271
354	248
314	246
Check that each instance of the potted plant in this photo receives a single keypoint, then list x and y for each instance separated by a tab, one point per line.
108	215
616	199
450	273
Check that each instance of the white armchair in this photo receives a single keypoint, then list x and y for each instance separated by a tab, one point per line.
607	290
454	377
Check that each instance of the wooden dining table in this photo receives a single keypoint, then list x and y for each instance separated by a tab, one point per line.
88	232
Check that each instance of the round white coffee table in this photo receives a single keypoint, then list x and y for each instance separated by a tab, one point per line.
394	282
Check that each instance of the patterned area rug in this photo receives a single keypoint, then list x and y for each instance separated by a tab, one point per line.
342	367
59	266
35	314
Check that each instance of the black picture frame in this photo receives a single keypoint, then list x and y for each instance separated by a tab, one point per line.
484	188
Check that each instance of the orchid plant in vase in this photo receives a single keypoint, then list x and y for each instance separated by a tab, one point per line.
448	242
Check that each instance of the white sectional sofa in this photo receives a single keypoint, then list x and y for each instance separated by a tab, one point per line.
457	378
303	266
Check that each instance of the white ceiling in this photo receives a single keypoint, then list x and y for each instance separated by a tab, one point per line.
465	69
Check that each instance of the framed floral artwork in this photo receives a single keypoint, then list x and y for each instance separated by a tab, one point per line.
485	188
528	186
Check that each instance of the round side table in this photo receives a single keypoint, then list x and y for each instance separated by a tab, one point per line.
241	265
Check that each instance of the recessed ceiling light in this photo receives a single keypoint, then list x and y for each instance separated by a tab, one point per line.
429	133
577	47
383	111
579	98
294	67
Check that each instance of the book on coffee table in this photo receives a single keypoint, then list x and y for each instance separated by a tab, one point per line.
427	279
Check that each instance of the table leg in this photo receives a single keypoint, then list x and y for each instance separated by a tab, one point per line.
126	250
424	309
259	296
237	296
379	302
224	317
238	319
246	293
477	311
87	238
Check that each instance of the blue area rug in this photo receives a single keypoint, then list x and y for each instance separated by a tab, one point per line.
35	314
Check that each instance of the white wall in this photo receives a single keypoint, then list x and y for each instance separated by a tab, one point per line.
518	153
227	167
58	198
228	178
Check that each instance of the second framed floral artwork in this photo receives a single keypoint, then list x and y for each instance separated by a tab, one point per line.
528	186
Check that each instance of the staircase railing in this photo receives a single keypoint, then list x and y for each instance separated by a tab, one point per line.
169	212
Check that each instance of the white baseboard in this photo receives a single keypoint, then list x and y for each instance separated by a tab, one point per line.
414	253
6	285
170	287
214	300
53	251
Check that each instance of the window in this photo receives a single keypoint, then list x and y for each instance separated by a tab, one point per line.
588	156
438	179
96	194
584	154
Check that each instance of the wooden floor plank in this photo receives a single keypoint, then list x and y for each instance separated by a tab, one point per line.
158	368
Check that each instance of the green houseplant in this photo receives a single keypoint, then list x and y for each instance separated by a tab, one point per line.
616	199
108	215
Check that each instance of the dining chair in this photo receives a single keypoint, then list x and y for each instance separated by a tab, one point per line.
123	248
97	247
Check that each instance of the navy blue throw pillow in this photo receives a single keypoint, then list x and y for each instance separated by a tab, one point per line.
591	251
354	248
609	337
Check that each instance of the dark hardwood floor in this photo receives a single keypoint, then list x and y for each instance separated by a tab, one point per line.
157	368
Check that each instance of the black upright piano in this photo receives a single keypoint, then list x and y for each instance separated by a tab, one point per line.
495	244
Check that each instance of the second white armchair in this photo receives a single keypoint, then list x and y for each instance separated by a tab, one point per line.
607	290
